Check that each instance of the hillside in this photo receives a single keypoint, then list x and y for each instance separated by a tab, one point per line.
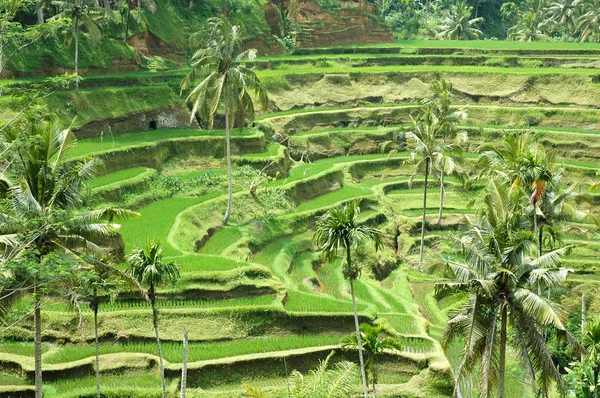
255	295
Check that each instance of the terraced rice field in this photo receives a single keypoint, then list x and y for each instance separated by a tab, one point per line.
256	293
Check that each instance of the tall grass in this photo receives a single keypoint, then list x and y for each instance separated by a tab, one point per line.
222	239
307	302
197	351
156	221
117	177
345	193
106	143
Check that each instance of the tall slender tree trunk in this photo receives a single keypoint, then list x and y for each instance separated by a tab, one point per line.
424	212
139	11
374	376
541	239
534	219
160	356
442	191
596	372
127	24
184	364
357	325
358	342
95	309
502	364
39	10
77	54
583	319
229	178
37	322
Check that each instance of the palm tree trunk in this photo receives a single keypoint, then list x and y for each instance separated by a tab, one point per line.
374	376
596	371
583	319
229	178
502	364
37	322
39	10
160	357
127	24
439	220
97	348
356	324
184	364
139	10
424	212
77	54
534	219
358	342
541	240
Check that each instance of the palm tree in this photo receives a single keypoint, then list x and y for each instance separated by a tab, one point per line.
458	24
78	12
589	22
591	341
531	26
448	161
147	267
338	229
498	273
526	164
40	190
373	346
425	146
226	83
91	287
564	13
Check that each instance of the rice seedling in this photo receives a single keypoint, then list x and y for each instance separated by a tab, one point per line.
198	351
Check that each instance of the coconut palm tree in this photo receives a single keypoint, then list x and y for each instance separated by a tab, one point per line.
449	161
339	230
373	345
425	146
499	271
80	15
591	341
458	24
92	287
564	13
589	21
531	26
147	267
226	83
40	191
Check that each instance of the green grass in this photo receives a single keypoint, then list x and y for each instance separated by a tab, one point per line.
19	348
173	352
222	239
107	142
345	193
312	302
118	382
201	262
169	304
117	177
156	221
272	150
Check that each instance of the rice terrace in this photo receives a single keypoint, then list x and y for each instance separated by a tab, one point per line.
299	198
